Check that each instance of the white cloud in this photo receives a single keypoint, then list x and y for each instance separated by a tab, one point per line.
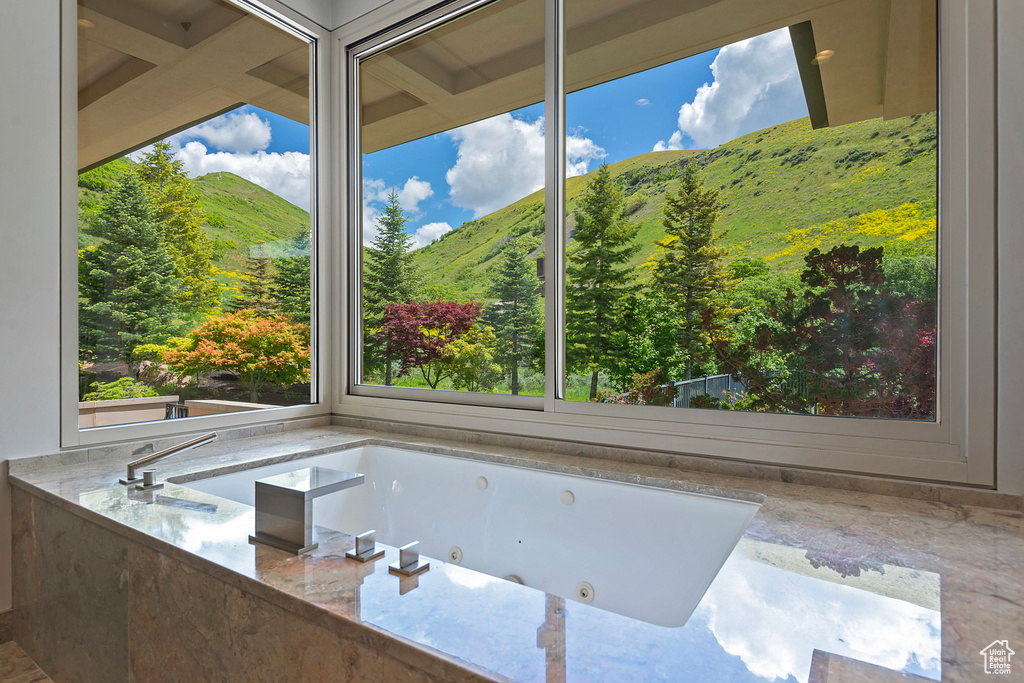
236	132
286	174
756	85
412	193
643	102
797	614
501	160
428	233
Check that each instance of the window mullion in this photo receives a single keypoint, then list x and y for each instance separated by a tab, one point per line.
554	202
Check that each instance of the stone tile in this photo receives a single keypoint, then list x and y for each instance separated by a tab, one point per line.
187	625
69	575
17	667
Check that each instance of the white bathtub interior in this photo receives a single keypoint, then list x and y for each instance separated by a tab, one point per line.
649	553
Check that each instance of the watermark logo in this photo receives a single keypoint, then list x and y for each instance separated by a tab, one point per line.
997	657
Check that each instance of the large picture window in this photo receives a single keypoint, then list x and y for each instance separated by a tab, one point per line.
751	207
748	224
762	234
194	203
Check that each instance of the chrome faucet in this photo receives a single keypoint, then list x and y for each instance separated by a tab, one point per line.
165	453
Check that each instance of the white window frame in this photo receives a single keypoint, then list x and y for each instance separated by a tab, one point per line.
320	245
958	447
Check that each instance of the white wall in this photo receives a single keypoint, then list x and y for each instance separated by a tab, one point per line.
29	235
1010	441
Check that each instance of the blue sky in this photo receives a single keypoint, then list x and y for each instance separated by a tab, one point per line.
447	179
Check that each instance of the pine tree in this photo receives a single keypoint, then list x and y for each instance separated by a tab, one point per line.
688	270
180	216
128	293
389	277
598	276
514	315
291	286
258	288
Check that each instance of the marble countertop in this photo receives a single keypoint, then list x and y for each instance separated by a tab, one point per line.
825	585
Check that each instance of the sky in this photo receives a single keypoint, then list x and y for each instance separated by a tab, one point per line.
449	178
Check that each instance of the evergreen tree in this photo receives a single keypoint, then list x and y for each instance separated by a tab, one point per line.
292	284
128	293
389	277
180	216
598	276
258	289
514	315
688	270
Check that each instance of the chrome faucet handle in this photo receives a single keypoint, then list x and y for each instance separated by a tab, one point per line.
366	548
149	482
409	562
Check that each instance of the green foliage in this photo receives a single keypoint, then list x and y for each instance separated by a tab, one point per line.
514	314
911	270
598	276
745	267
389	277
471	361
291	287
259	350
257	289
178	211
128	292
688	270
126	387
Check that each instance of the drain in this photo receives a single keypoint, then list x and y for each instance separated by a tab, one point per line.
455	555
585	592
568	497
481	483
514	578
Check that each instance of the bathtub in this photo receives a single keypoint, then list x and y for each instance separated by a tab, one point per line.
646	553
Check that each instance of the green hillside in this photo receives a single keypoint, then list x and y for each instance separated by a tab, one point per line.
784	190
238	213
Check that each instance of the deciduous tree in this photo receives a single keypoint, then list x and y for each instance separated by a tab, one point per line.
259	350
417	335
180	216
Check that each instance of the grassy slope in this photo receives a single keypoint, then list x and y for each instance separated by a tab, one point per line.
785	190
239	213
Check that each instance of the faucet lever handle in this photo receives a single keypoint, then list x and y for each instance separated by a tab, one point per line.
366	547
409	562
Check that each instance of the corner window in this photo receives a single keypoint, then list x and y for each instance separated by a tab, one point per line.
744	240
194	194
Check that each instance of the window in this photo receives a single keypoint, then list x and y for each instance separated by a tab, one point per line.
763	234
795	151
194	205
451	131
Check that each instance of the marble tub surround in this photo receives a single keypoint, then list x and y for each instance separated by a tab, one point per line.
850	584
135	449
944	493
18	667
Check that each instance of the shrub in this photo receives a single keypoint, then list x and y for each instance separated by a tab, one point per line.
126	387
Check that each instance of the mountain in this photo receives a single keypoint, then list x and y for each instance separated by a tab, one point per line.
784	190
238	213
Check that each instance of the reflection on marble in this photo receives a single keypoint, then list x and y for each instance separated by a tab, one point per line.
879	587
18	667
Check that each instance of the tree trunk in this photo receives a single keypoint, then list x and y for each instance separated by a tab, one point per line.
387	372
515	380
593	386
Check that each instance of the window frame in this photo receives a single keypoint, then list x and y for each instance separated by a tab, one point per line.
958	447
71	435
